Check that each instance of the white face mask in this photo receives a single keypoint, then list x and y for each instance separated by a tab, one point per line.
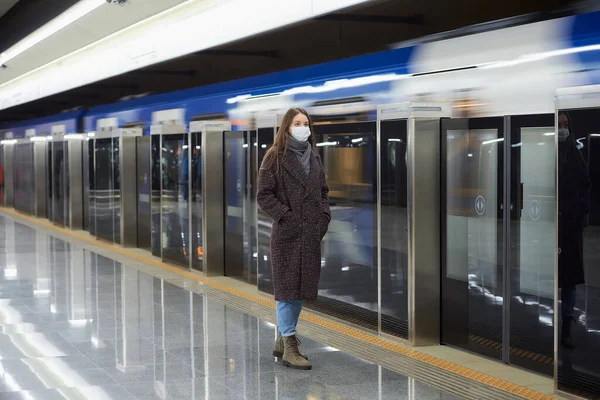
301	133
563	133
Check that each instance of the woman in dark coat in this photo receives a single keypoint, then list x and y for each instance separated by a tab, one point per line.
573	206
293	191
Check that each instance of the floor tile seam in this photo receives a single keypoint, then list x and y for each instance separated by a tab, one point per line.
476	376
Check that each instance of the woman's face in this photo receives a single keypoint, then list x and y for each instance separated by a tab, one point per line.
299	120
563	122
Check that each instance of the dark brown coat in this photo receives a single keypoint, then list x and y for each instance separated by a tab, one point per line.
295	240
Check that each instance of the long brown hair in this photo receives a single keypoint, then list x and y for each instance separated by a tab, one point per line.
280	145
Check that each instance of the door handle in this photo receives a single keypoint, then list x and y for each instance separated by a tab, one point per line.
522	198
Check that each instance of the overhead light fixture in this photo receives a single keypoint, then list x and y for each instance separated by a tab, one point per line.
79	10
37	139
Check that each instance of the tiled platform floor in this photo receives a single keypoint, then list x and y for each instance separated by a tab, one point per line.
76	325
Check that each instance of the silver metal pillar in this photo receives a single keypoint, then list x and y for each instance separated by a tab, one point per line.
424	262
129	192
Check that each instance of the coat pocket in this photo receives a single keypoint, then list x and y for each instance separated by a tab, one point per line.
287	229
323	226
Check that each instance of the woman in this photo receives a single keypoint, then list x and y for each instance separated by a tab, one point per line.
293	191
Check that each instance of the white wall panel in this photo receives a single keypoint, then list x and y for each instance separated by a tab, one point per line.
190	27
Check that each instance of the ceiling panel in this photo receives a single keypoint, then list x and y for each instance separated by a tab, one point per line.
5	5
102	22
112	18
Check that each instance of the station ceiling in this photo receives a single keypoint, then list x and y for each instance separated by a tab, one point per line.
376	26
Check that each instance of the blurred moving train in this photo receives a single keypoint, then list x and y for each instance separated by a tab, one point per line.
158	154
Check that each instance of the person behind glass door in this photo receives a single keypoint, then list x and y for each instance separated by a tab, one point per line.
293	191
573	206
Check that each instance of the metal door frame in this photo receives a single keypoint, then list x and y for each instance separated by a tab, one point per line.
565	99
243	135
74	179
503	201
419	333
99	135
55	138
212	234
19	141
167	130
40	145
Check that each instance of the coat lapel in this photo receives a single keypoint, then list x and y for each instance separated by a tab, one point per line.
293	166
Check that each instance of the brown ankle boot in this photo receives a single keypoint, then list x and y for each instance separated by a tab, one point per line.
279	347
291	354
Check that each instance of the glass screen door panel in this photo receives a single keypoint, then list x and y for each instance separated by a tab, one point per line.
473	233
251	240
394	227
2	200
264	141
91	144
348	287
116	192
197	202
532	242
24	187
156	175
67	185
235	204
104	184
28	179
144	214
174	199
49	175
579	252
58	182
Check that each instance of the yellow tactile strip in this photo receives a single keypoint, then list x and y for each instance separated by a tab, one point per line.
355	333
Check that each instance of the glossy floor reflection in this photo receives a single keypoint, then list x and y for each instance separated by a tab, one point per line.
75	325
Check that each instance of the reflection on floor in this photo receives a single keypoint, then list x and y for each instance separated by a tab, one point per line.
77	325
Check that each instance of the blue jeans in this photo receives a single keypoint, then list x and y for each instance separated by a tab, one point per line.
288	313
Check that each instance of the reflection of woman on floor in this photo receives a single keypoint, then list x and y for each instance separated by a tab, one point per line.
573	206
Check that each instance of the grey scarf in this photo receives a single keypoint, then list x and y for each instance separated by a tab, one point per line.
302	151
